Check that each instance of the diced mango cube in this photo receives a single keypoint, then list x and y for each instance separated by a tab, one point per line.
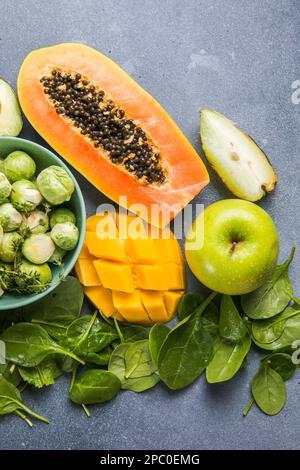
130	307
84	254
102	299
149	277
111	249
86	272
174	275
103	224
168	251
130	226
171	301
115	276
154	304
141	251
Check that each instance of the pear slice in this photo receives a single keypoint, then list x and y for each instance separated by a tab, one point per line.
237	159
10	111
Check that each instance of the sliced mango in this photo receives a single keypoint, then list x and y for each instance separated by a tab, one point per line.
114	276
86	273
131	307
153	302
142	251
141	269
172	299
111	249
174	276
149	277
102	299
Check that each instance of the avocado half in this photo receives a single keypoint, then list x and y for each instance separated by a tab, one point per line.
10	111
240	163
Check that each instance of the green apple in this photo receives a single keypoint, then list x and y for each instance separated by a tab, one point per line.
232	247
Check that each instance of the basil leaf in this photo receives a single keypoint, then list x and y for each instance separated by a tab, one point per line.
231	327
42	375
157	335
227	360
59	309
269	391
117	365
185	353
27	345
272	297
282	363
188	304
95	386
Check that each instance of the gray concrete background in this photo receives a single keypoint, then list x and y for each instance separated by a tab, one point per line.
241	58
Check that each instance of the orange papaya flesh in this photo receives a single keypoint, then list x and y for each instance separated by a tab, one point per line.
141	286
134	150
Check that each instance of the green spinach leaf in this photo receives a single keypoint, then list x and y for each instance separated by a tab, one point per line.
189	303
43	374
231	327
27	345
11	401
282	363
134	368
157	336
95	386
270	299
59	309
185	353
132	333
10	372
269	390
227	360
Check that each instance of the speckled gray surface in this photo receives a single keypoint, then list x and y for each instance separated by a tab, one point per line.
241	58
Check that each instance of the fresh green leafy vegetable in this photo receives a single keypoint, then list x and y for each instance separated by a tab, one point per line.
132	333
270	299
157	335
282	363
268	390
11	401
185	353
132	364
227	360
27	345
189	303
59	309
43	374
10	372
95	386
232	327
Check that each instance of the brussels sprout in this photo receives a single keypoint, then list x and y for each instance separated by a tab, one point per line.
2	165
25	196
55	185
37	222
9	246
38	248
5	187
62	215
19	166
32	278
10	218
1	233
57	256
65	236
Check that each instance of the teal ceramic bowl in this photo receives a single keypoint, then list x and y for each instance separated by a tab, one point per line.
44	158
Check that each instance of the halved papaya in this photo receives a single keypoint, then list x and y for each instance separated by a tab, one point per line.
110	129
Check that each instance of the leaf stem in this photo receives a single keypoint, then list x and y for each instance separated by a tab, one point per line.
32	413
248	407
72	355
74	370
119	330
21	415
86	410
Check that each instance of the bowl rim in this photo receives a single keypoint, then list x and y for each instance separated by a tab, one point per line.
75	253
